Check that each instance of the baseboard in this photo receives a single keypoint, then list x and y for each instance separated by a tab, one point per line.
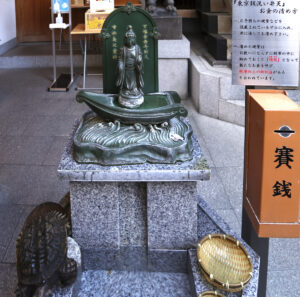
7	46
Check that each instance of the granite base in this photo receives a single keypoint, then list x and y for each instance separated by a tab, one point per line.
152	206
144	273
108	215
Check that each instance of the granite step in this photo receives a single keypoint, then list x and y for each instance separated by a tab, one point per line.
39	55
216	22
220	46
134	283
211	6
233	111
212	91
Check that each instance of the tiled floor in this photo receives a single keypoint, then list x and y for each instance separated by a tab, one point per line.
34	126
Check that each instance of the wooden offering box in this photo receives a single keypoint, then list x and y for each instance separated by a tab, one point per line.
77	2
272	175
95	20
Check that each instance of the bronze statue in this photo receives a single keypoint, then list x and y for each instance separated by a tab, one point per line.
41	251
130	72
152	127
167	6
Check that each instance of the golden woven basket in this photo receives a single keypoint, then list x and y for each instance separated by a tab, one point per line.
211	294
225	262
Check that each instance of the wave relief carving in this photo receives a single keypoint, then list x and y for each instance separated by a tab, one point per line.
117	135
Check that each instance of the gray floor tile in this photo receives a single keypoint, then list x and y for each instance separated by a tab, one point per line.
213	192
11	182
6	104
56	125
232	180
230	218
4	189
238	212
8	278
192	115
2	252
92	81
7	292
14	124
284	253
203	146
21	102
25	78
50	108
77	109
284	283
10	255
24	149
55	152
9	219
225	141
32	185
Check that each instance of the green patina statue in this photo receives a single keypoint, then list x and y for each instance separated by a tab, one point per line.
130	72
132	122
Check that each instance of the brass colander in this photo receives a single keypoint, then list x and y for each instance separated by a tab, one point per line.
225	262
211	294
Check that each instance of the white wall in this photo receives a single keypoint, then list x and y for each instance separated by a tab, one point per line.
7	20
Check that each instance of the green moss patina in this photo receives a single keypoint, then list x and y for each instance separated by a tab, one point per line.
201	164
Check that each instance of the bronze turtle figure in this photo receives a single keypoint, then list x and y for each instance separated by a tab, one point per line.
41	251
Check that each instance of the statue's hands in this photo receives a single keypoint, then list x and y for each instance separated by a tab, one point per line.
139	59
121	66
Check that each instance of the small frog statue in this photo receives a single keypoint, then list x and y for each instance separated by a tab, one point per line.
130	72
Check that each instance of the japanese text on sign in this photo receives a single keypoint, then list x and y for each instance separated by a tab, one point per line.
283	157
114	42
145	42
266	37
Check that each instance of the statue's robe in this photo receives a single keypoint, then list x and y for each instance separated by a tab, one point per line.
130	70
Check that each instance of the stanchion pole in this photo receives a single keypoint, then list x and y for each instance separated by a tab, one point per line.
71	44
259	245
53	49
65	80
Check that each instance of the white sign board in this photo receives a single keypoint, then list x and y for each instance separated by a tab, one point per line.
61	6
101	5
265	39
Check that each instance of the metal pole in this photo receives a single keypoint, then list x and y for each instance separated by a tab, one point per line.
259	245
84	61
71	44
53	45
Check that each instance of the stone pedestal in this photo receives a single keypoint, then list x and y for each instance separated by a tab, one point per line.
138	208
169	26
173	59
172	215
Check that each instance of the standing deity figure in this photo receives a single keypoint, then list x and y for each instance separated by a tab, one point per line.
130	72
